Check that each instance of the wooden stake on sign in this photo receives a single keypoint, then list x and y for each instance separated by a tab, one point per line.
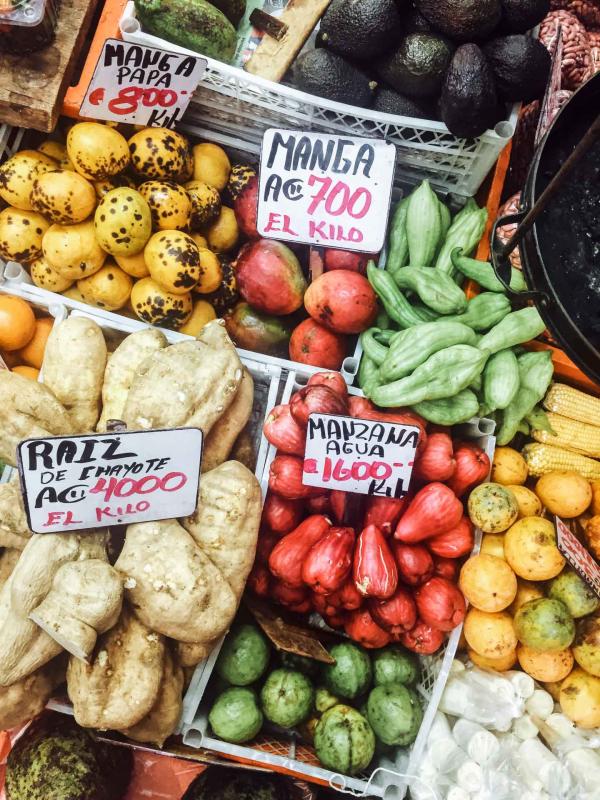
268	24
32	86
291	638
272	57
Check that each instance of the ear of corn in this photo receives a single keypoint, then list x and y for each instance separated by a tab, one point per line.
543	458
570	434
570	402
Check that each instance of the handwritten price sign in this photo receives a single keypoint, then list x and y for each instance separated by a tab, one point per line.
141	85
327	190
91	481
577	556
359	455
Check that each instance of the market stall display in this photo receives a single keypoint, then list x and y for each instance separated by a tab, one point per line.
384	579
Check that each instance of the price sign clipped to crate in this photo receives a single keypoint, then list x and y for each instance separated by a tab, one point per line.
141	85
324	189
577	556
359	455
74	482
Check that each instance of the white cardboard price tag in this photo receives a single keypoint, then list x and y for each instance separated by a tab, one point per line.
577	556
74	482
359	455
141	85
323	189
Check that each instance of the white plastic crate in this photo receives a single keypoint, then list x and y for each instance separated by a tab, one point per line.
242	105
389	779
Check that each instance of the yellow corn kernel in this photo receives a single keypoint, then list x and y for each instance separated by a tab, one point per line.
572	403
570	434
543	458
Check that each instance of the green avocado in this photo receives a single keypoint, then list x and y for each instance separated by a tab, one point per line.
195	24
574	592
395	714
360	29
469	103
344	740
287	698
394	664
544	624
521	67
328	75
236	716
244	656
462	20
55	759
352	673
417	66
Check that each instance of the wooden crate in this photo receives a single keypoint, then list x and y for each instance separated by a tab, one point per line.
32	86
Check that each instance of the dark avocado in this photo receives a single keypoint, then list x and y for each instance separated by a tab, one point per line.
415	22
520	16
521	67
469	102
390	102
462	20
326	74
417	66
360	29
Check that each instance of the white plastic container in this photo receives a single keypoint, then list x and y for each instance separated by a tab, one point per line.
244	105
388	779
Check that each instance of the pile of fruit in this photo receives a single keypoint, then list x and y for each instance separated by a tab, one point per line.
527	604
447	357
166	232
23	336
360	706
460	62
386	569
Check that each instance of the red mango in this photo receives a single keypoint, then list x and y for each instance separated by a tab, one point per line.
422	639
455	543
280	514
288	555
472	467
375	572
435	461
362	628
415	564
282	431
434	509
396	614
328	562
385	512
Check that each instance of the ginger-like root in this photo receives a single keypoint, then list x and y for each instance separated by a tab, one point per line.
84	601
165	714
